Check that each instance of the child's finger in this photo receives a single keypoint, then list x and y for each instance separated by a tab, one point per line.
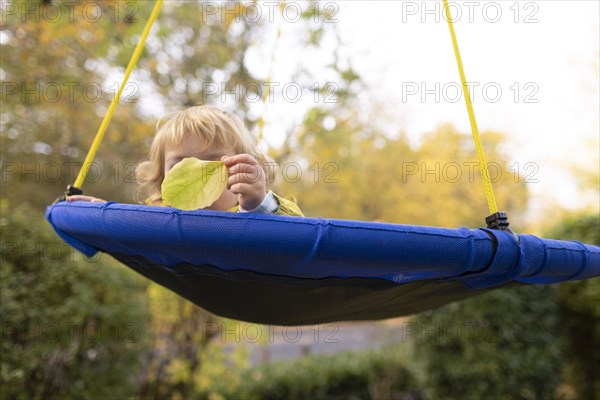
241	188
79	197
243	168
238	178
251	176
239	158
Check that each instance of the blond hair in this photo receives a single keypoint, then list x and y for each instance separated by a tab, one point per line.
212	125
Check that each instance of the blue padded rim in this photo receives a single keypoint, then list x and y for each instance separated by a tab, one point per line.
316	248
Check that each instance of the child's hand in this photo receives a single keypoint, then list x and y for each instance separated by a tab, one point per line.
79	197
246	179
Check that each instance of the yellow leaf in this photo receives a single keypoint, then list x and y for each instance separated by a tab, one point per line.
193	184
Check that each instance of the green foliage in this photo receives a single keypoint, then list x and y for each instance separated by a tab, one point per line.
180	332
220	371
580	313
378	374
584	228
503	344
67	329
354	160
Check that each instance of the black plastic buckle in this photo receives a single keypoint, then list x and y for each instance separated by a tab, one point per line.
71	191
499	221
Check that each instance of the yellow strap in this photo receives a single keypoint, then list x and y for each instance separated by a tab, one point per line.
489	192
261	121
111	109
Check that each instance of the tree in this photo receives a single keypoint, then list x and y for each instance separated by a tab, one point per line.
350	170
58	79
63	62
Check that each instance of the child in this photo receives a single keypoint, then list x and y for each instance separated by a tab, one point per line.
209	133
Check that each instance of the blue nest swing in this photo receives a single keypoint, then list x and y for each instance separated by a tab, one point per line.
289	270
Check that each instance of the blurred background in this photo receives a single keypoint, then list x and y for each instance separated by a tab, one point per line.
366	121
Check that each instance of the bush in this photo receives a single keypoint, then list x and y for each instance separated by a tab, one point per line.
368	375
503	344
71	328
580	313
